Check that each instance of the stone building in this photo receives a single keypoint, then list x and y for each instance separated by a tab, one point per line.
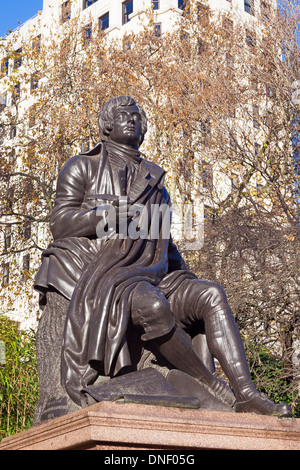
116	18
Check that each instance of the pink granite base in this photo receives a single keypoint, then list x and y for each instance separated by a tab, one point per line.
119	426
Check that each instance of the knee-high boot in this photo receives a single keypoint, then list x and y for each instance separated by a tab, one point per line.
226	345
177	348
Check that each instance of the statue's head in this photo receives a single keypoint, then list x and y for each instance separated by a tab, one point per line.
122	121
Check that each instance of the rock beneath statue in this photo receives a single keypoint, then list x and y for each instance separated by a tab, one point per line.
149	386
186	384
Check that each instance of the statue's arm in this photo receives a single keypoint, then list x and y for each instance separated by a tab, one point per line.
69	218
175	259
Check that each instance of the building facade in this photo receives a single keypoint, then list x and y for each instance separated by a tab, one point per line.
115	18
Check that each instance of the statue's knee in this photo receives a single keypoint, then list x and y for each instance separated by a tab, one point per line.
147	297
216	293
211	299
151	311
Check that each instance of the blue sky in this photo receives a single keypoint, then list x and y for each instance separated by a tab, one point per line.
12	11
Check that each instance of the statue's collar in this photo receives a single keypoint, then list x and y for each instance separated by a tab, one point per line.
149	172
124	151
94	151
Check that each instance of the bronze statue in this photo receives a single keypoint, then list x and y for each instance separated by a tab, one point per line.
101	283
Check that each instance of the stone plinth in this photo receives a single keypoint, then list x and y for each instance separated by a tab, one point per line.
119	426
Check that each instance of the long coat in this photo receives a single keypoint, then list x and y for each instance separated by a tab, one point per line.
98	275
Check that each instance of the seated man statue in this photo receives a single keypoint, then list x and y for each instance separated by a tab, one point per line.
105	271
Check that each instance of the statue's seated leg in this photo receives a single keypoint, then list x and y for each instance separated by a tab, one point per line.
53	399
151	310
206	301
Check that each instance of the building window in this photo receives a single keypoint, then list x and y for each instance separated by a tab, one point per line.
87	34
234	180
250	38
88	3
182	4
7	238
32	112
208	213
249	6
201	46
5	275
26	262
228	26
12	158
34	82
126	44
155	5
66	11
127	9
203	13
104	22
27	230
207	175
18	59
265	11
16	95
3	102
157	30
255	117
36	43
13	131
4	67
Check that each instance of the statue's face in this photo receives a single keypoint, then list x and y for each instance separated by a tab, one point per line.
127	126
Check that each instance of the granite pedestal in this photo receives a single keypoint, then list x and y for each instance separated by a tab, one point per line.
121	426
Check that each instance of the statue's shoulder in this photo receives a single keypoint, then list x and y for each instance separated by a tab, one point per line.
83	159
74	162
77	168
153	166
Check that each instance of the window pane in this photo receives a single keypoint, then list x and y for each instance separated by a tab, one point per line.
26	262
104	22
3	102
157	30
5	275
4	67
7	238
66	11
182	4
18	59
248	6
88	3
127	10
34	83
87	35
36	43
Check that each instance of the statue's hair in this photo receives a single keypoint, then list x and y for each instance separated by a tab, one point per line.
106	116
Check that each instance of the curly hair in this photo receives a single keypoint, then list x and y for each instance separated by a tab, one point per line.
106	116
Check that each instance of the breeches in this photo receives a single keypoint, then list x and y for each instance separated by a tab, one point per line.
189	307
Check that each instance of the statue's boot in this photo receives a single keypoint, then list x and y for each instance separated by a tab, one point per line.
225	344
261	404
177	348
